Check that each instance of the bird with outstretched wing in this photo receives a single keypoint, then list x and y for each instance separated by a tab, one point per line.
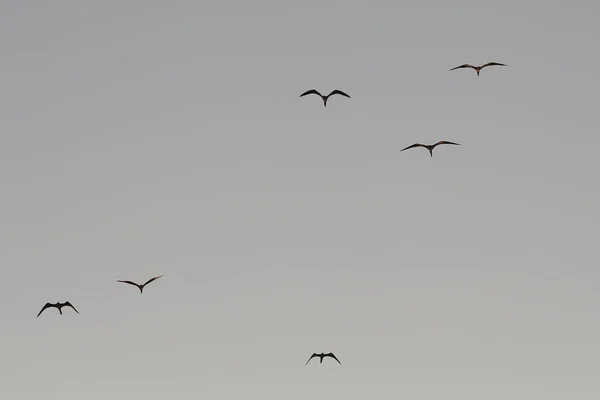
59	306
141	287
325	98
477	68
429	147
321	356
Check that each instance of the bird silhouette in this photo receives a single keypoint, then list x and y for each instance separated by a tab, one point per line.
59	306
429	147
321	356
141	287
313	91
479	68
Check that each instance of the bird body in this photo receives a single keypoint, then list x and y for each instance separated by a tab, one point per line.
321	356
141	287
429	147
313	91
59	306
477	68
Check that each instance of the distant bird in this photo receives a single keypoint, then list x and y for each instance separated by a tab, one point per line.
321	356
313	91
479	68
429	147
141	287
59	306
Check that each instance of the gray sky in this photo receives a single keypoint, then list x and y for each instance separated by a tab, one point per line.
145	138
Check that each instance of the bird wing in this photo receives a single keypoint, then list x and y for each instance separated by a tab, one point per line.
130	283
445	142
492	63
71	305
339	92
43	308
333	356
312	91
152	279
413	145
462	66
311	357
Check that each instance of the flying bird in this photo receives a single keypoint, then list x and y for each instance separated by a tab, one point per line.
141	287
429	147
313	91
321	356
479	68
59	306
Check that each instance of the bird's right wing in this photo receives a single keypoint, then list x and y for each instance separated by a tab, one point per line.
339	92
311	357
462	66
71	305
334	357
445	142
43	308
312	91
413	145
152	279
492	63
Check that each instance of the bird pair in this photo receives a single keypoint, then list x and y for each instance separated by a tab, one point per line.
325	98
59	305
428	147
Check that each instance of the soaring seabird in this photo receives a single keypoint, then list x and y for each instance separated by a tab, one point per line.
141	287
59	306
313	91
321	356
429	147
479	68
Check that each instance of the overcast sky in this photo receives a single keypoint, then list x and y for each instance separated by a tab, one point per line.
141	138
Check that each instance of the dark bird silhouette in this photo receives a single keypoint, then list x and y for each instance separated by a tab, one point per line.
429	147
141	287
321	356
479	68
59	306
313	91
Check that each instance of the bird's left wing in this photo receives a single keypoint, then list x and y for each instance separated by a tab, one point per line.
312	91
413	145
462	66
43	308
311	357
129	283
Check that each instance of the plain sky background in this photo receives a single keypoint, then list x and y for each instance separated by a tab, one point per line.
141	138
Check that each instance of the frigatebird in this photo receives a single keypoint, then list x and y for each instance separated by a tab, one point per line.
429	147
141	287
313	91
321	356
479	68
59	306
